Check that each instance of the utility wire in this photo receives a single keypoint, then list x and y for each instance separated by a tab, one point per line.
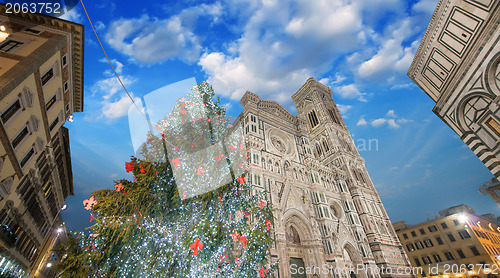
111	64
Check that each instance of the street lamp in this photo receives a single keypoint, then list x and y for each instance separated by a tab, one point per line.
46	242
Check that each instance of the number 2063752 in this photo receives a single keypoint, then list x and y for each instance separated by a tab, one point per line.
47	8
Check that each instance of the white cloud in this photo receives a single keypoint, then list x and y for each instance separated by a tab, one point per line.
110	85
119	108
152	40
73	15
99	26
391	113
214	10
113	104
393	49
403	121
344	108
392	124
378	122
273	55
350	92
232	78
390	120
425	6
338	78
402	86
362	121
324	81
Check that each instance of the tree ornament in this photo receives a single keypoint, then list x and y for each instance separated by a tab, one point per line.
263	272
89	203
118	187
196	246
176	162
241	179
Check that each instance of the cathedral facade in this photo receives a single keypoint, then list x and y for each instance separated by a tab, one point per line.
329	218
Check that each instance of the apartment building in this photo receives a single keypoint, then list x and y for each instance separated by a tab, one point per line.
41	85
458	243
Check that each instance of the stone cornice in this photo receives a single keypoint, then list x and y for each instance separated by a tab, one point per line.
430	33
75	35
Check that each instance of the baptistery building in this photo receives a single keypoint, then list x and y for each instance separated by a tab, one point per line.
329	218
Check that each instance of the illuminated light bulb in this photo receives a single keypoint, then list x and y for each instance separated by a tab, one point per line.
462	218
49	265
2	28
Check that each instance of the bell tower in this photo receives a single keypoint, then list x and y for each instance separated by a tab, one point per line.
333	146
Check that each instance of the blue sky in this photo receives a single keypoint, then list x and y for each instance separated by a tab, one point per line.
362	49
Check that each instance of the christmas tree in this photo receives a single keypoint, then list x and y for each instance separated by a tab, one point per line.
189	211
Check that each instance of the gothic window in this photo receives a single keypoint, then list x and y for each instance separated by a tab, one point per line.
341	188
277	168
293	235
332	115
325	145
474	109
255	158
318	150
313	119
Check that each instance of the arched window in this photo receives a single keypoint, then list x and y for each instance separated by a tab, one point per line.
325	145
332	115
318	150
313	119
